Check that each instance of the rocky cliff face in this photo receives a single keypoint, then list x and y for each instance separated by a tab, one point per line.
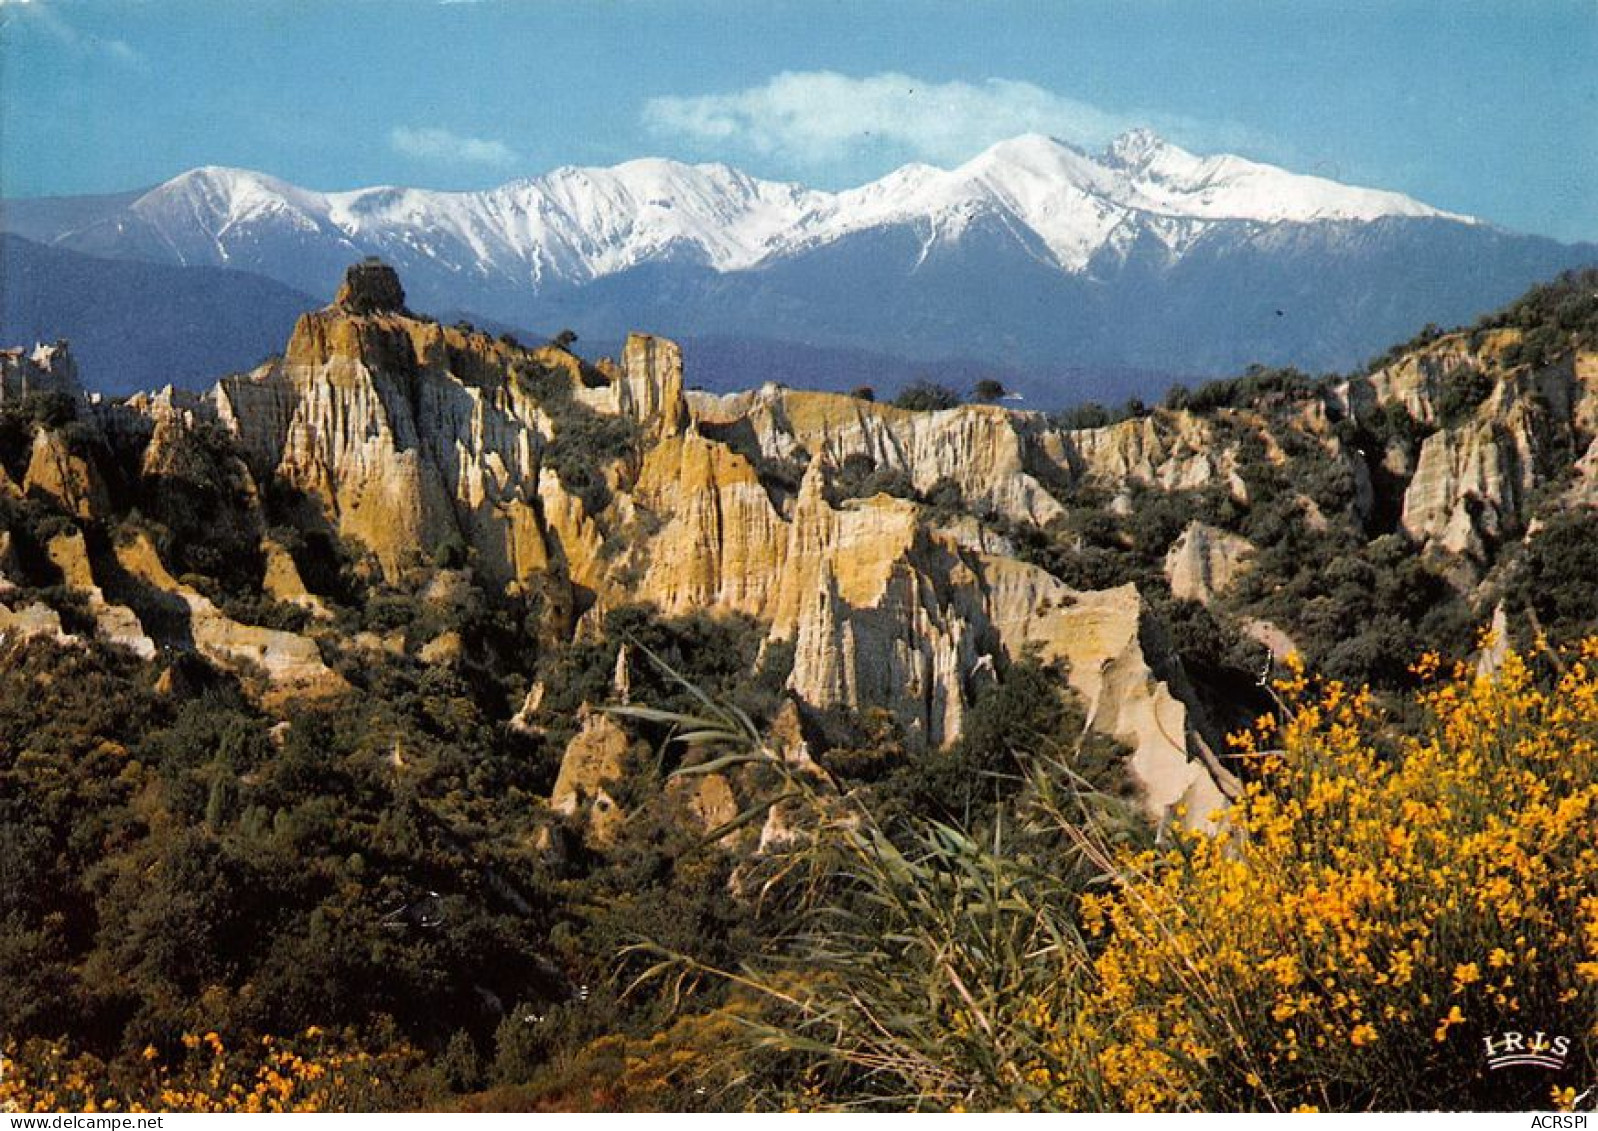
66	477
884	608
400	434
989	453
421	527
723	544
880	612
585	488
1204	562
411	440
1497	429
1175	451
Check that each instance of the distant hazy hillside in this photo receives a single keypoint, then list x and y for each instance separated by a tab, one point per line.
139	325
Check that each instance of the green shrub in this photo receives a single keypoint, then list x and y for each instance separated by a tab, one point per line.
1552	318
1464	390
926	396
859	477
1259	384
585	443
1553	577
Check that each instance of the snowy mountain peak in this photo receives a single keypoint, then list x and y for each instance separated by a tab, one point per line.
215	184
1136	149
576	224
1026	149
1036	155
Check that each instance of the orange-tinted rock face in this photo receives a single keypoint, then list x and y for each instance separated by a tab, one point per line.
414	436
65	476
412	432
422	442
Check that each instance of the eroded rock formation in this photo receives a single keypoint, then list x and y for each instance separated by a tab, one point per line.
419	444
1205	561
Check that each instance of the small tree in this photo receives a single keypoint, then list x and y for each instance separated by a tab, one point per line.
925	396
451	553
1090	414
989	390
564	340
863	393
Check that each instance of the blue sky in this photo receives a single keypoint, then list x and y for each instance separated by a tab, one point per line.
1489	108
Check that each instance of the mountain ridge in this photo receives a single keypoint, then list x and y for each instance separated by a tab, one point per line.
543	222
137	325
1035	254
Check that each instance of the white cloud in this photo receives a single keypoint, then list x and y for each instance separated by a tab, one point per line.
72	40
430	143
819	118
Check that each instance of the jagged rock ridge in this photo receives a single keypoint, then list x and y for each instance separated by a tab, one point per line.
598	486
407	437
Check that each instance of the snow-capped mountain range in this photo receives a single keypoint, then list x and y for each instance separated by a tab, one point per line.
1032	253
575	225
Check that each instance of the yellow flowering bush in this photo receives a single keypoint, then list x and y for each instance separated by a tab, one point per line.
1371	908
692	1063
1390	891
310	1073
1393	887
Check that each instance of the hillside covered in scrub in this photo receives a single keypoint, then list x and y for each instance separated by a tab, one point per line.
477	725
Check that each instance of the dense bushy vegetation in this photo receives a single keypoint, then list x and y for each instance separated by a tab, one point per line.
1095	415
921	961
175	863
367	899
1466	389
1552	318
585	441
1553	581
200	506
926	396
1386	906
722	655
1020	721
1399	892
859	477
1259	386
